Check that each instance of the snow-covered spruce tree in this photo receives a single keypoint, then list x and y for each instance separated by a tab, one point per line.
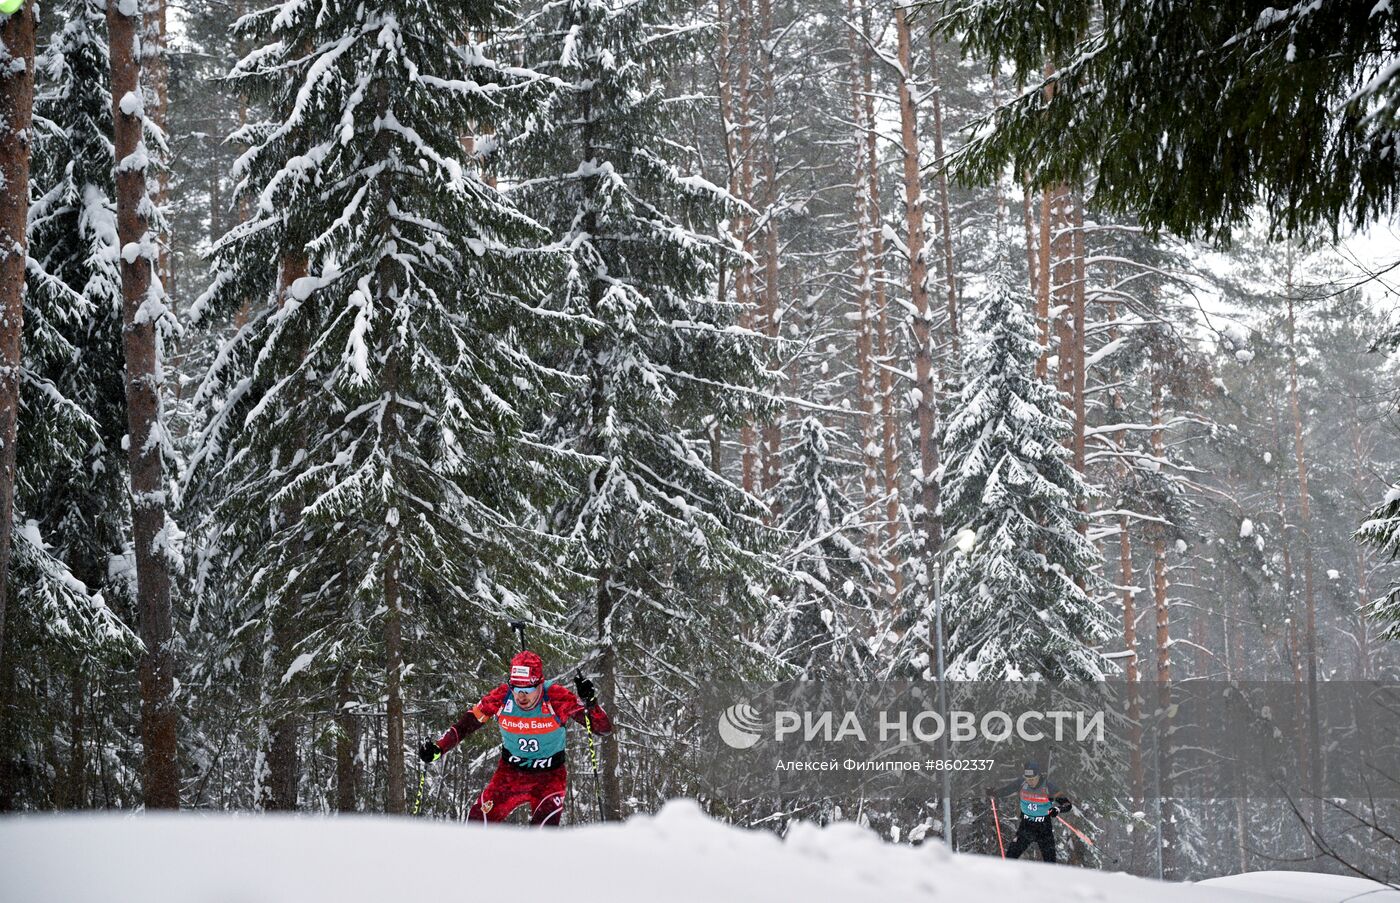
1382	532
365	445
71	509
668	543
77	404
835	584
1016	604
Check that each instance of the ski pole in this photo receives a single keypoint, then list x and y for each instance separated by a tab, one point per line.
519	628
593	757
1078	833
1084	837
996	820
422	779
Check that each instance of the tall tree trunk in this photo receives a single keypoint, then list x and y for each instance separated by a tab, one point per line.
945	219
1062	296
888	433
142	307
1043	285
1166	802
1044	279
744	284
283	758
1295	654
346	737
1238	671
216	204
1360	457
1305	518
607	676
75	781
1132	683
16	118
926	402
769	315
1127	582
396	803
1363	623
913	191
1032	250
1077	320
870	465
86	566
1290	639
998	186
600	411
731	156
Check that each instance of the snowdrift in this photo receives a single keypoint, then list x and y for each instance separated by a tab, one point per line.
678	855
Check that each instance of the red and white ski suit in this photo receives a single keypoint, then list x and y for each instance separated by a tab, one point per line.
540	783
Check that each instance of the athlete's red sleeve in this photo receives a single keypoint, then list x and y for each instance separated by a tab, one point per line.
474	717
567	705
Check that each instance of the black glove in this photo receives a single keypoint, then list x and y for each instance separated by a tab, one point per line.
429	752
990	791
1053	813
1063	804
587	693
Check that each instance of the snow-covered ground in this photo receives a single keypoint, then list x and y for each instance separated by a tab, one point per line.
1305	887
677	855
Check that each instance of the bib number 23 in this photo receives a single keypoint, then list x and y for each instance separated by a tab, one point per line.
529	744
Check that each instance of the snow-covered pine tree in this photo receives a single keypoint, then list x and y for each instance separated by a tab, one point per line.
366	445
836	585
668	543
1016	604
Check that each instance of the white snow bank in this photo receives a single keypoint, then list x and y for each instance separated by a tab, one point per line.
1306	887
678	855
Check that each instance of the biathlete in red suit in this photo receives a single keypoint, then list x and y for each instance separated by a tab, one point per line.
532	714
